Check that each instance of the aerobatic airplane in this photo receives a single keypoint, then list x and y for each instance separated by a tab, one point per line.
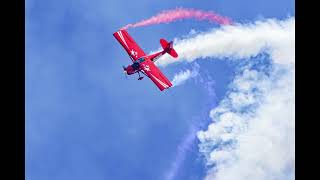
145	63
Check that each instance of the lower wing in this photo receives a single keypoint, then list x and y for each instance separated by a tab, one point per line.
154	73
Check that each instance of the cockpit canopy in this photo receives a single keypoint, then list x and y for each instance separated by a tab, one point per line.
140	60
136	64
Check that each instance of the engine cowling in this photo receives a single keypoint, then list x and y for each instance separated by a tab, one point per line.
129	70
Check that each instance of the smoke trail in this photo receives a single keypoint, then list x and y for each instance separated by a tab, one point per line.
181	154
197	124
238	41
258	109
252	134
183	76
168	16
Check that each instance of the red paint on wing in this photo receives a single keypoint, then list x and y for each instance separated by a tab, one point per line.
156	75
128	43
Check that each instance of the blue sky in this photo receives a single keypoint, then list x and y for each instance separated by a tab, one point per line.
84	120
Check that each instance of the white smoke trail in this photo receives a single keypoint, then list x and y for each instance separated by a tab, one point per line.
183	76
252	133
253	128
239	41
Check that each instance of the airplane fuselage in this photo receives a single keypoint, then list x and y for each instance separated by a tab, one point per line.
135	66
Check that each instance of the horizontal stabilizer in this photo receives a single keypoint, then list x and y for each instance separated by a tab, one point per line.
168	48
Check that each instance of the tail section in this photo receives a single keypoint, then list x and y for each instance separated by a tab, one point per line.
168	48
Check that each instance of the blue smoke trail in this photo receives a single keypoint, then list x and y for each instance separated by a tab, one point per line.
187	142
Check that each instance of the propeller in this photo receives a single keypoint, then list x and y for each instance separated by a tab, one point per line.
125	71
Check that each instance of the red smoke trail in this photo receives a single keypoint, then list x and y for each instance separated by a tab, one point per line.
168	16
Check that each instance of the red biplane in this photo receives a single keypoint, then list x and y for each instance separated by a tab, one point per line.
145	63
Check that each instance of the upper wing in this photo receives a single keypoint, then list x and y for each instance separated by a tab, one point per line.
154	73
127	42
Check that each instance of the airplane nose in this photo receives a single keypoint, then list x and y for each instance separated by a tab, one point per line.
125	70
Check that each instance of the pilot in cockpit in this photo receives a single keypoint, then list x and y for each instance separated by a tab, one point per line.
136	64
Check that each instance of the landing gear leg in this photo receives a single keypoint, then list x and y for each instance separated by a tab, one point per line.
140	78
